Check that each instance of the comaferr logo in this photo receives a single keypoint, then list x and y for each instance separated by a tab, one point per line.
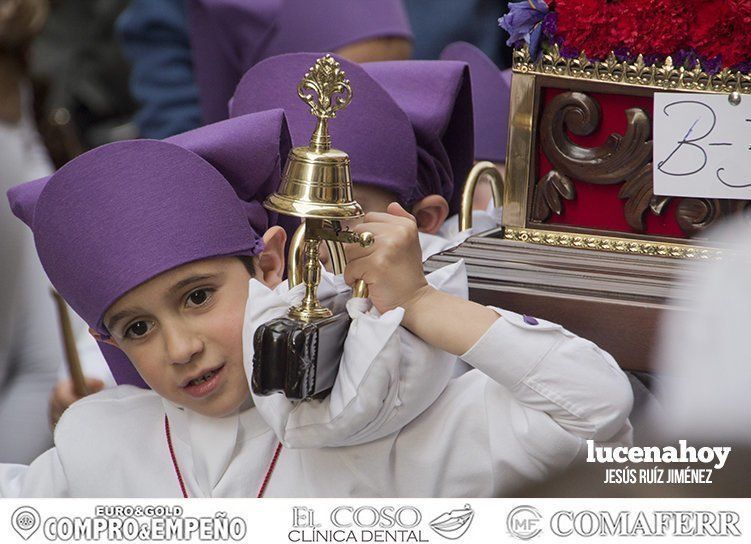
640	523
524	522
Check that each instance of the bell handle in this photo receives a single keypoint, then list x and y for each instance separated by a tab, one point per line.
479	170
338	261
295	256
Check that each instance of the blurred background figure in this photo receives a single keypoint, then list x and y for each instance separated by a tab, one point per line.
81	78
154	37
704	360
228	37
30	349
82	101
437	23
187	56
702	381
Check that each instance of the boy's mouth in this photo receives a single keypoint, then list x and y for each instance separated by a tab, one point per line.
203	384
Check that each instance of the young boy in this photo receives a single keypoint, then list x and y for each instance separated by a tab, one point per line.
149	242
413	157
408	132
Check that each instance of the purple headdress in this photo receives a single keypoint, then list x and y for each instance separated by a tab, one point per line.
121	214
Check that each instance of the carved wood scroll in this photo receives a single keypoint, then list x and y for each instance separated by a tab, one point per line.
623	159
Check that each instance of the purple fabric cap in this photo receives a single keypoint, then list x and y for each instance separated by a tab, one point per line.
437	98
373	130
491	93
123	213
230	36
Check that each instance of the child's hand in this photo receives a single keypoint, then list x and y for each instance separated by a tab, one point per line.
392	268
63	395
392	265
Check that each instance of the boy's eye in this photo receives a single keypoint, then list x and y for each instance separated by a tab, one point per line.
137	329
198	297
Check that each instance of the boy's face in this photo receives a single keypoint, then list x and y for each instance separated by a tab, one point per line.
371	198
377	49
183	332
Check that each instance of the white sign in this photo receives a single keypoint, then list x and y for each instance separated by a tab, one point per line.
702	146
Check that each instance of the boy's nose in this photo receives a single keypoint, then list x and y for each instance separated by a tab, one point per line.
181	344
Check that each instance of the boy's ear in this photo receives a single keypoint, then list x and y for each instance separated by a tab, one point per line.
269	263
98	337
430	213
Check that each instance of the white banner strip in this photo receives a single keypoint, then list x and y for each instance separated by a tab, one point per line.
284	521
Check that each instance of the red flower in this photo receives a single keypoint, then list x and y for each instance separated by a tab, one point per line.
654	26
723	28
587	25
714	28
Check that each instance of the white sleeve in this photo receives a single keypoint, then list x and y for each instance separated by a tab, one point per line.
387	376
551	370
45	477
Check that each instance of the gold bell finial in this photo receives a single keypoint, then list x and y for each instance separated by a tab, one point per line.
316	182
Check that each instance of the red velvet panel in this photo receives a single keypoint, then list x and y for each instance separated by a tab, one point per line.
598	206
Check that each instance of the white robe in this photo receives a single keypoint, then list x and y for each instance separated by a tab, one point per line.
449	236
537	394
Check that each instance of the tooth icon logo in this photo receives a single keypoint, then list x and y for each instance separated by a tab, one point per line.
25	521
453	524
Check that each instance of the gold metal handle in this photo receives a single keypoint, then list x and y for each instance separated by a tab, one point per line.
69	343
360	288
294	257
339	262
479	170
336	252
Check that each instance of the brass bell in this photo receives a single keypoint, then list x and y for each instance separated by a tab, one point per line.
316	183
299	354
317	187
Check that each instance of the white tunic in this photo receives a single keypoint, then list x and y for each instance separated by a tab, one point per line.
538	392
449	236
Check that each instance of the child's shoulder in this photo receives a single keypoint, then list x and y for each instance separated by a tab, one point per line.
124	408
106	440
117	398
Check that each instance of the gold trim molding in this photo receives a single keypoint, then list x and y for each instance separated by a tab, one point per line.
664	76
612	245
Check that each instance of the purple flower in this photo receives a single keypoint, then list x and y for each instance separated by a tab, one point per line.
713	65
685	57
744	67
622	54
570	52
653	58
523	23
550	24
